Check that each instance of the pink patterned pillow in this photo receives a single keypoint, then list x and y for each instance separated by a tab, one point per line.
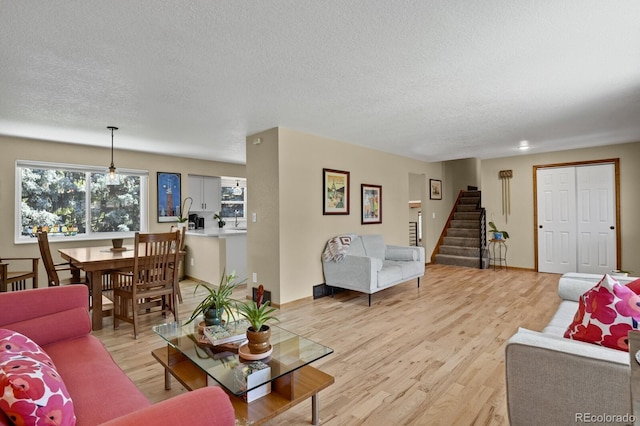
605	315
31	391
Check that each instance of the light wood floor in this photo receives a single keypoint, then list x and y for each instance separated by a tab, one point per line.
432	355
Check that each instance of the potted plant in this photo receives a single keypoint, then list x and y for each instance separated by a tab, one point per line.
220	220
218	301
498	235
184	214
259	332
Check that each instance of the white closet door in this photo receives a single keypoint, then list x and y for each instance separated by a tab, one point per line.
576	219
556	220
596	219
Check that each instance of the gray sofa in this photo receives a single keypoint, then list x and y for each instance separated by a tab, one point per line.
369	265
553	381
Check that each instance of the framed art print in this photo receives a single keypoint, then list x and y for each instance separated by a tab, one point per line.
169	196
371	204
435	189
335	192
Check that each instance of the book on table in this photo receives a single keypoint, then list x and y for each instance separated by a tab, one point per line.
226	333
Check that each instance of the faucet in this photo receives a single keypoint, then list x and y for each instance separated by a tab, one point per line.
235	216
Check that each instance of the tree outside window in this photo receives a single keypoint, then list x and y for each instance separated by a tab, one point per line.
78	203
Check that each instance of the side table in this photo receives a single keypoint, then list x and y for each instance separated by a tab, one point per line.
498	253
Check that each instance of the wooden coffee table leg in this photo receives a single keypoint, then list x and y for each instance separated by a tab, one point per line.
315	410
167	379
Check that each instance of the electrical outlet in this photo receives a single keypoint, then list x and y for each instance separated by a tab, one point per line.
254	277
254	217
193	262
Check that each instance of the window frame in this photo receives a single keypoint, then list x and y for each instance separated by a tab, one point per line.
88	236
243	184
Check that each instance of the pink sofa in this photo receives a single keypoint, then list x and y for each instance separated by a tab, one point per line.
57	319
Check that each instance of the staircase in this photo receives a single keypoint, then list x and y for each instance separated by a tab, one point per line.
460	242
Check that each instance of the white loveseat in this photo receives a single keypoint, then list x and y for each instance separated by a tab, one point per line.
369	265
552	380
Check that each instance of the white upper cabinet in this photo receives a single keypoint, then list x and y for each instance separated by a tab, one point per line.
205	191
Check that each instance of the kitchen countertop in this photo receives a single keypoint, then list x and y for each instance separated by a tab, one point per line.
216	232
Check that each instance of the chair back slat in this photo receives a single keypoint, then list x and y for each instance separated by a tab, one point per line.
47	259
153	256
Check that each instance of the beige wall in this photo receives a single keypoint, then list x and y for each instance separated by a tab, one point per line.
27	149
520	224
304	230
284	177
263	242
436	212
460	174
417	192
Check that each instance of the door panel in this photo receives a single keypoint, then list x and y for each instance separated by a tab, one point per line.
596	221
556	220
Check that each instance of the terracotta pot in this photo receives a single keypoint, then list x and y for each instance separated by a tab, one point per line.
259	340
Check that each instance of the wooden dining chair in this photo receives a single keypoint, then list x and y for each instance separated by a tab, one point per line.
151	284
16	279
53	279
182	233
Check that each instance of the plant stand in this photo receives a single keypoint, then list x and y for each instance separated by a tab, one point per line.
498	254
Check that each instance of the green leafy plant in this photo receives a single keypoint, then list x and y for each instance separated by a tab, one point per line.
257	316
218	298
184	214
494	229
219	219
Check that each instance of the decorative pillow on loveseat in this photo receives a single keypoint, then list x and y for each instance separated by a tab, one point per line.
605	315
634	285
31	391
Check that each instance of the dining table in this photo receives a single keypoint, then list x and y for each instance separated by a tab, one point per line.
95	262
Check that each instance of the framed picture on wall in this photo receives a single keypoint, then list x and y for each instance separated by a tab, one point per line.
371	204
169	196
435	189
335	192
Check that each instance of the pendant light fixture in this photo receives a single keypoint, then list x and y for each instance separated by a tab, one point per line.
112	176
237	190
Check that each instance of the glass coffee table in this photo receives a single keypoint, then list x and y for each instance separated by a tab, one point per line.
291	379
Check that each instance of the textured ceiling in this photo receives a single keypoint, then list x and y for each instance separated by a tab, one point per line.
432	80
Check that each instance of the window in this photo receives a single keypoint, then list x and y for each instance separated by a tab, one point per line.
74	202
233	197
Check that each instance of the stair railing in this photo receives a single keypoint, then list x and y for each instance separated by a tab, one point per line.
413	234
483	235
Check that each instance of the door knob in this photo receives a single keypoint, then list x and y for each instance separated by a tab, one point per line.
612	227
540	226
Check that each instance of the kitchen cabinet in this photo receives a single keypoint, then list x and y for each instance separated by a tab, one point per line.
210	252
205	191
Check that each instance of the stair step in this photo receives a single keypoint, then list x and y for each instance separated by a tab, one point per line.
460	251
467	208
467	224
463	232
469	262
475	216
463	241
469	200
